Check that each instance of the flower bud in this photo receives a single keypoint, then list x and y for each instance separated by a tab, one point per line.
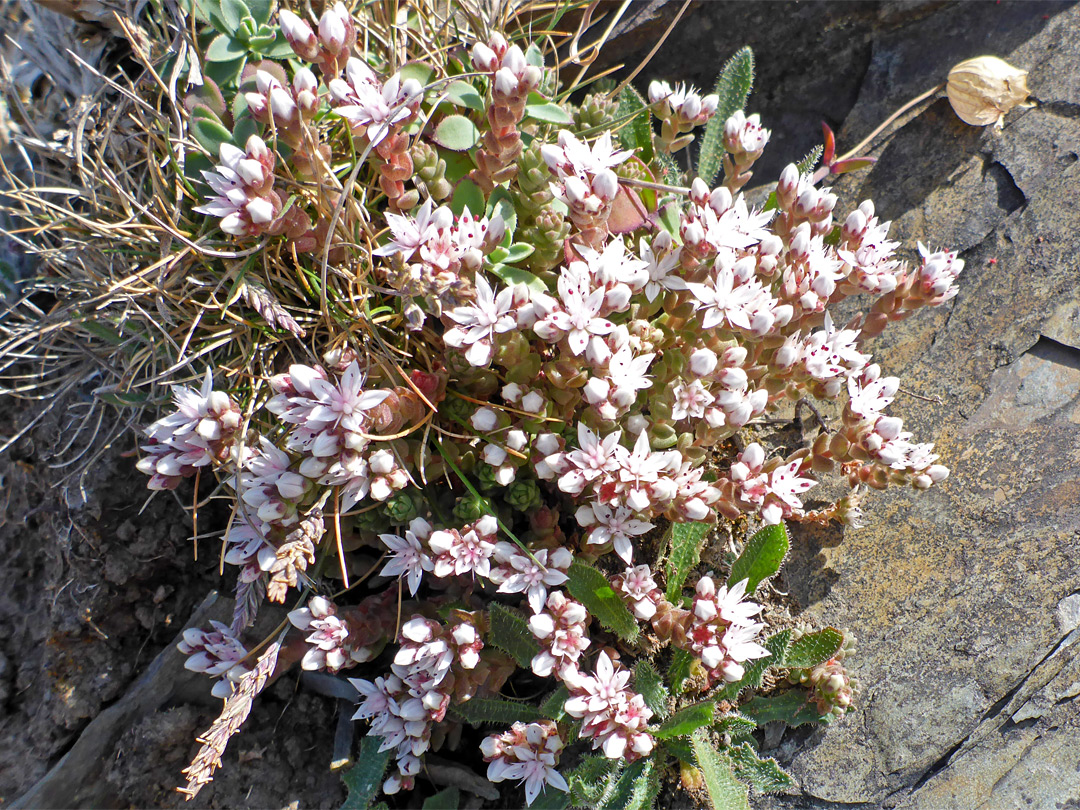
983	89
606	185
699	192
299	35
702	362
483	58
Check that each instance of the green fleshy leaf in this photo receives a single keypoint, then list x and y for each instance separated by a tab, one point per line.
637	133
501	202
517	252
464	94
260	44
687	540
281	49
724	790
210	135
516	275
733	87
814	648
763	775
686	721
456	133
777	644
261	10
510	633
792	707
669	218
594	591
233	13
553	705
549	113
650	686
467	195
679	670
365	777
482	710
534	56
224	49
244	129
635	789
449	799
761	558
417	70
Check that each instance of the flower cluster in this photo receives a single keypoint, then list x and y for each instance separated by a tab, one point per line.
537	355
218	653
200	432
680	110
614	717
722	630
528	753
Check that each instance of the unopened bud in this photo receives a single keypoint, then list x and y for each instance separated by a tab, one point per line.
299	35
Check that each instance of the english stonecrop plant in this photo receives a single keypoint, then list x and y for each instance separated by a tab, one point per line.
523	366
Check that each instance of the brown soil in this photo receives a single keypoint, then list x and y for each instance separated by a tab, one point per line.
94	586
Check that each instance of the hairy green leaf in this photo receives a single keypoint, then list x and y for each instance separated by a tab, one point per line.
650	686
810	162
777	645
681	749
594	591
733	87
551	799
679	670
736	725
763	775
510	633
457	133
792	707
589	780
725	791
814	648
448	799
365	777
761	558
635	789
687	540
637	133
261	10
553	704
686	721
482	710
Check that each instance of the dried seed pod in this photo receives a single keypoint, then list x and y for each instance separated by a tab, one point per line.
983	89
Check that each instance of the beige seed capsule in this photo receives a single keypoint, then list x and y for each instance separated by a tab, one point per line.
983	89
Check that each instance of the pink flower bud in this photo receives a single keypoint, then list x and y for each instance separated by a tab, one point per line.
299	35
789	181
514	60
506	82
699	192
260	210
484	58
720	200
702	362
251	172
282	105
333	29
